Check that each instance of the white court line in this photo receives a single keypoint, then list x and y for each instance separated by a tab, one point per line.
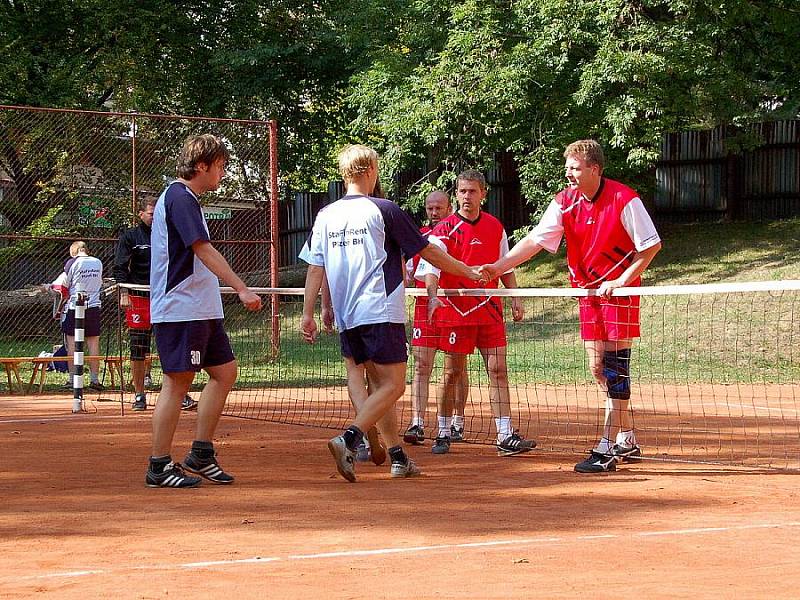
55	419
413	550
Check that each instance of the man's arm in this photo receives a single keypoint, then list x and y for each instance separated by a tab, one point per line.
640	262
217	264
517	309
314	278
326	310
442	260
121	271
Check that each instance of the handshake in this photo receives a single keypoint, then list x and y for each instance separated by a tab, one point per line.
484	273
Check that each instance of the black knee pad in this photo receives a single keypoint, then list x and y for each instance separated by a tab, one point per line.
140	343
617	371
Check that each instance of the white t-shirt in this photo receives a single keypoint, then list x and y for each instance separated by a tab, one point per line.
360	241
85	272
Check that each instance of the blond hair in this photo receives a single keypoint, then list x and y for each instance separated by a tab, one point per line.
77	247
355	160
589	150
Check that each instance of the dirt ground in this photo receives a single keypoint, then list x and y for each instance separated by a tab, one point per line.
78	522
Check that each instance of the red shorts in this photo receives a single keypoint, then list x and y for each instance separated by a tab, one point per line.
138	313
615	318
423	334
464	339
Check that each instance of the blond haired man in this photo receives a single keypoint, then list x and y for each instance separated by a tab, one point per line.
358	242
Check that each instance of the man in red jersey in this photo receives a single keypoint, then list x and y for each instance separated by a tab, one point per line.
610	242
425	341
466	322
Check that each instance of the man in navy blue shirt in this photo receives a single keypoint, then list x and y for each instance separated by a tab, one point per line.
187	317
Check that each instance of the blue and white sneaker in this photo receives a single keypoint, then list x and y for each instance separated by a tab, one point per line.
207	468
172	476
627	454
597	462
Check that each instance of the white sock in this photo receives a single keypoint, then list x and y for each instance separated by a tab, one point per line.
603	446
458	421
503	425
417	421
444	427
626	438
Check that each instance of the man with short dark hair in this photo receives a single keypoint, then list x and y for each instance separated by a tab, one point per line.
187	316
475	237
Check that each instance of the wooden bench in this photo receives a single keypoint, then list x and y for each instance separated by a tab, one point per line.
114	364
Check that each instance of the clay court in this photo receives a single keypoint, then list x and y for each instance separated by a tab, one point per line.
78	522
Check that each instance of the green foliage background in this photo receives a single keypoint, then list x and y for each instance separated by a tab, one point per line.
433	84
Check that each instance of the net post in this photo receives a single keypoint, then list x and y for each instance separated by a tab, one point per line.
274	234
78	353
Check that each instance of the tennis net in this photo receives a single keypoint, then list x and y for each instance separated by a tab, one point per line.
715	376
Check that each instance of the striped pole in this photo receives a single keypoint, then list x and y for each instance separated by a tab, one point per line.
77	378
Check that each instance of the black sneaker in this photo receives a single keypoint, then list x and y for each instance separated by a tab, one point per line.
414	435
627	454
515	444
188	403
597	463
139	403
456	434
208	468
172	476
441	445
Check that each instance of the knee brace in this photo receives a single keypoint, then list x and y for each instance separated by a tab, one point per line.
617	371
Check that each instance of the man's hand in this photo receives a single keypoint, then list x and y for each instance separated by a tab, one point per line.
124	300
308	329
251	300
607	287
488	272
517	308
327	320
433	304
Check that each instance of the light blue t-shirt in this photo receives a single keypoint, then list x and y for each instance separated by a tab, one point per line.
361	242
182	288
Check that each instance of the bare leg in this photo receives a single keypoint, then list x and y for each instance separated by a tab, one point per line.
137	373
497	369
618	414
388	383
454	369
93	345
168	409
213	398
420	386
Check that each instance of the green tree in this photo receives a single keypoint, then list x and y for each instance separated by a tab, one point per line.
532	75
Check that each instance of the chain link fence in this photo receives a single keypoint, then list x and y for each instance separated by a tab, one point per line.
70	175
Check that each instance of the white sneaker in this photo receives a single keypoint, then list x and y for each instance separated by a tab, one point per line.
409	469
148	381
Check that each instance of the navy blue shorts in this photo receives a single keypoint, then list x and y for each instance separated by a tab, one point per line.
192	345
91	322
382	343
